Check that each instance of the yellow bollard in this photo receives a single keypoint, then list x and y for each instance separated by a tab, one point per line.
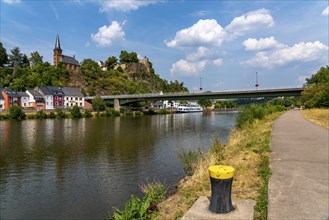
221	179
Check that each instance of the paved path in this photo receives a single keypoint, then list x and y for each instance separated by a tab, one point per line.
299	185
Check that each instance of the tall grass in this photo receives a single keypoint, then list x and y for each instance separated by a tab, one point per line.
318	116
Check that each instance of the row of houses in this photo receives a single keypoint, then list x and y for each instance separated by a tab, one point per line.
47	97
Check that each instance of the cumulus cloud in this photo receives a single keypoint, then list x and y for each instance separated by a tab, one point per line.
108	34
126	5
326	11
12	1
203	33
187	68
262	44
250	21
301	52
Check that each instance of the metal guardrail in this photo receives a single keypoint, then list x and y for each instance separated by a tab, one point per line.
184	94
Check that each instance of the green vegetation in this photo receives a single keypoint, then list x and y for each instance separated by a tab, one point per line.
189	158
226	104
16	112
20	72
205	103
145	208
247	150
75	112
316	93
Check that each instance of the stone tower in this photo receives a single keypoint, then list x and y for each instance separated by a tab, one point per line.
57	51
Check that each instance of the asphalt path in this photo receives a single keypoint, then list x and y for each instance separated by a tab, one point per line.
299	184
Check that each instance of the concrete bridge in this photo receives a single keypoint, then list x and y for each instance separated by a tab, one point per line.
118	100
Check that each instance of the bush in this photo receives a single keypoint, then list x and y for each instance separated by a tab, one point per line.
40	114
75	112
59	113
110	112
4	116
146	208
138	113
51	115
16	112
87	114
189	159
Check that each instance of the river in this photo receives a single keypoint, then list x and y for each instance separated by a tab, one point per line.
81	168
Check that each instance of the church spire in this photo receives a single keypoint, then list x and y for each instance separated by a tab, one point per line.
57	44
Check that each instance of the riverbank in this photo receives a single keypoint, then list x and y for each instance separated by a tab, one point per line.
318	116
247	150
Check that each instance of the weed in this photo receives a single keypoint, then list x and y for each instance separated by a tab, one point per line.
189	159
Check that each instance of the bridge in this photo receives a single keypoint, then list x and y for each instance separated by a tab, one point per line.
118	100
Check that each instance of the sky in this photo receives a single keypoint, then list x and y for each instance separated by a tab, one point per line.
220	45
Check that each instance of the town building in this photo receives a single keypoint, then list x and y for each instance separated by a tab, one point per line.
24	99
58	96
36	100
71	63
11	98
73	97
2	101
47	97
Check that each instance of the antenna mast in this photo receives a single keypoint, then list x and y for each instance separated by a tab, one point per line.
256	85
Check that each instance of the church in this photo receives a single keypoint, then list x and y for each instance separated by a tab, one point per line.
71	63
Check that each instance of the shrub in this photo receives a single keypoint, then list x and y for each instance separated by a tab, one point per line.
189	159
59	113
51	115
16	112
75	112
4	116
155	190
87	114
111	112
138	113
40	114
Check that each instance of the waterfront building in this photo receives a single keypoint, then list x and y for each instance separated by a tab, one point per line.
73	97
47	96
36	99
11	98
2	101
24	99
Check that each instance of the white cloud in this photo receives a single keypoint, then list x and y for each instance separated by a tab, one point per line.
301	52
108	34
203	33
125	5
250	21
262	44
12	1
184	67
301	80
326	11
218	62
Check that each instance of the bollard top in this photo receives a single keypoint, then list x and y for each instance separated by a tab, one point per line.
221	172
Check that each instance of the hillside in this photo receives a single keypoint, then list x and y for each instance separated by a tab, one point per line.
128	76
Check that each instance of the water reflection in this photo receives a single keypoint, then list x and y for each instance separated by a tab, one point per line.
81	168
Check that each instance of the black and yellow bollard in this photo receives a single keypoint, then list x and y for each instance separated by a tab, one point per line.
221	179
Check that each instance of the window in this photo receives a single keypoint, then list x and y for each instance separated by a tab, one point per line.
76	98
71	98
80	98
80	104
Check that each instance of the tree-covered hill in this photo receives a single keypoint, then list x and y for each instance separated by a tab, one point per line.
126	75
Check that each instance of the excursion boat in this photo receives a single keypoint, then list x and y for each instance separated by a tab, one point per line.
189	108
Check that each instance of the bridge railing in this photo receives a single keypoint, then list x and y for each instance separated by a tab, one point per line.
178	94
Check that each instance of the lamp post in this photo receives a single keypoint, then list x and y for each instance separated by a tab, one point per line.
256	85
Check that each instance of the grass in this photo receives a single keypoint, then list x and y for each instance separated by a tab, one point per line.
318	116
247	150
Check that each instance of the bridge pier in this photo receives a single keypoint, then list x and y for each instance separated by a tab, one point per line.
116	105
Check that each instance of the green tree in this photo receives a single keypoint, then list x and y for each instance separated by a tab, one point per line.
16	57
111	62
98	104
75	112
205	103
3	55
90	69
16	112
25	61
36	58
316	93
126	57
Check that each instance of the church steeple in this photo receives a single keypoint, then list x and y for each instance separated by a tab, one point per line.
57	51
58	44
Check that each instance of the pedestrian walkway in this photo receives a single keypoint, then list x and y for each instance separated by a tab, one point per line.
299	185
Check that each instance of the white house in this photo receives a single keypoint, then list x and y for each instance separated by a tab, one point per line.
72	97
35	99
24	99
47	96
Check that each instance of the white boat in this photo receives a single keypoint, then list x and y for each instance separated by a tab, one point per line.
189	108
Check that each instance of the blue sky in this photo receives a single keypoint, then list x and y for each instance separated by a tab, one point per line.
223	42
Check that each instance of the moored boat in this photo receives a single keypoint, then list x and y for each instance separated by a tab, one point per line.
185	108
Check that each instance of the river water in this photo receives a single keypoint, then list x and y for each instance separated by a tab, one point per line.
81	168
